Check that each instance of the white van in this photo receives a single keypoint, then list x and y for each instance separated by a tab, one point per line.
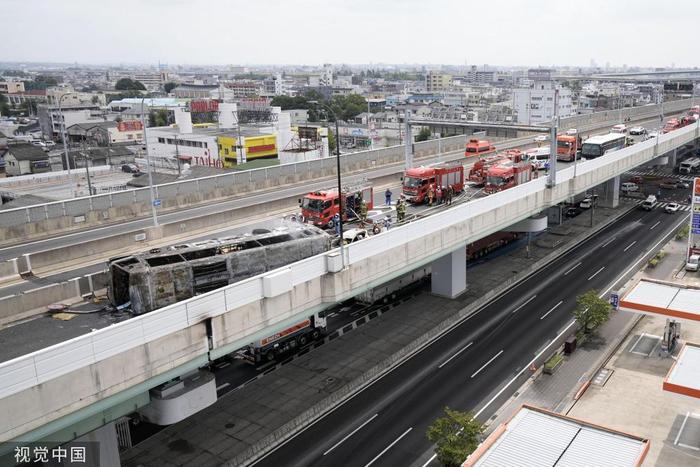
628	187
538	157
620	128
648	204
693	263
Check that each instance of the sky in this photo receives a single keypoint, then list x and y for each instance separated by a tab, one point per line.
312	32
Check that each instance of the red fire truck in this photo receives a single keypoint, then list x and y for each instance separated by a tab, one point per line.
319	207
476	147
477	174
417	180
508	174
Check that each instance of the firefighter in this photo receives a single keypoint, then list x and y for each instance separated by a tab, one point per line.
431	195
450	194
400	210
439	194
363	211
336	223
387	223
387	197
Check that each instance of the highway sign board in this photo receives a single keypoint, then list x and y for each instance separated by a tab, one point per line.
615	300
156	202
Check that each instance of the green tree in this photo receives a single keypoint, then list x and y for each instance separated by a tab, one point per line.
40	82
128	84
169	86
591	311
158	117
455	436
331	142
424	134
4	106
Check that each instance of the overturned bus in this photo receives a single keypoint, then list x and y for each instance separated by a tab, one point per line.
162	276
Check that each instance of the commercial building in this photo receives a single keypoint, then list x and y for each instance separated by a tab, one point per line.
22	159
535	103
11	87
107	133
196	91
50	117
436	81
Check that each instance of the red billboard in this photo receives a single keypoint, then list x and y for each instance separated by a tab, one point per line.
207	105
130	125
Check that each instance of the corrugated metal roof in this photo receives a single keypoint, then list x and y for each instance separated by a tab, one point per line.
686	371
664	296
536	439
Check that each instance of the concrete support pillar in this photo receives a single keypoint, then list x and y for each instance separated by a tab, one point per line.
449	274
101	446
672	157
609	193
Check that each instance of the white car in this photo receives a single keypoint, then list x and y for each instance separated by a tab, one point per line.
541	138
672	207
653	134
629	187
354	235
638	130
572	132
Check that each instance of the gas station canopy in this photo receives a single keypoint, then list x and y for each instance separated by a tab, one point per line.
663	299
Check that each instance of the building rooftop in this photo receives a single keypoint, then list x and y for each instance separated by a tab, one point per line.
27	152
663	298
536	437
684	375
89	125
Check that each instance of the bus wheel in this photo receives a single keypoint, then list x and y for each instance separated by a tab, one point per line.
303	341
315	334
269	356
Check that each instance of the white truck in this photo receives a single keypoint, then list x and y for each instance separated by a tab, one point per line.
689	166
284	342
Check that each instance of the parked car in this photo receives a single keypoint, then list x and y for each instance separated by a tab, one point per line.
693	263
572	212
354	235
682	184
638	130
588	202
672	207
628	187
131	168
668	184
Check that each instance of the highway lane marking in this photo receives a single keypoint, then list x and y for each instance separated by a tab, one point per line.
219	388
551	310
596	273
577	265
652	227
352	433
608	242
388	447
223	365
630	245
526	302
458	352
487	363
678	436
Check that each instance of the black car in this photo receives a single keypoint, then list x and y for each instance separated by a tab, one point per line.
131	168
572	212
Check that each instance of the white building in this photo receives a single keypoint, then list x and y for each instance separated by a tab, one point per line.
326	78
535	103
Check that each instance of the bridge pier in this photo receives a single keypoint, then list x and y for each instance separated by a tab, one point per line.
610	193
449	274
672	157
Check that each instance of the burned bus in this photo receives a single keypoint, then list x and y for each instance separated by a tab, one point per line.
162	276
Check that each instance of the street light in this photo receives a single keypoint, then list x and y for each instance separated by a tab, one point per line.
148	163
340	187
63	130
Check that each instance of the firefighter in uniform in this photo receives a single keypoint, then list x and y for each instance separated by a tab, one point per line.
431	195
400	210
363	211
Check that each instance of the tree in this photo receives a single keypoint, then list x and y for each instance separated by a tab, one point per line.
331	142
424	134
4	107
455	436
169	86
40	82
158	117
128	84
591	311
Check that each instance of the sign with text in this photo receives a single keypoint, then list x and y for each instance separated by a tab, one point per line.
130	125
207	105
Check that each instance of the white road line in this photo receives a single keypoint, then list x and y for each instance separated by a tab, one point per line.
352	433
551	310
678	436
458	352
525	303
223	365
487	363
219	388
432	458
637	342
388	447
608	242
577	265
596	273
653	226
630	245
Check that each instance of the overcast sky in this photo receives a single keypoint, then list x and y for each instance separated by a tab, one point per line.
494	32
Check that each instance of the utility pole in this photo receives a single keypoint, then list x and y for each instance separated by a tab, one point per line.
86	158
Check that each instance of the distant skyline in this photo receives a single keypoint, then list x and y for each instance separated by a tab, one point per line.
311	32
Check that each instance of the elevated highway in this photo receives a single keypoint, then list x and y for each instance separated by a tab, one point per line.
107	372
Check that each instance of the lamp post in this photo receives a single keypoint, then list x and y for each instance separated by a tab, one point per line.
340	187
63	131
148	163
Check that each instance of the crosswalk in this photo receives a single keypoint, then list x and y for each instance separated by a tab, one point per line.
661	173
658	204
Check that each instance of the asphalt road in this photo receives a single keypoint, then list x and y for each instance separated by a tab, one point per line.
386	423
60	240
